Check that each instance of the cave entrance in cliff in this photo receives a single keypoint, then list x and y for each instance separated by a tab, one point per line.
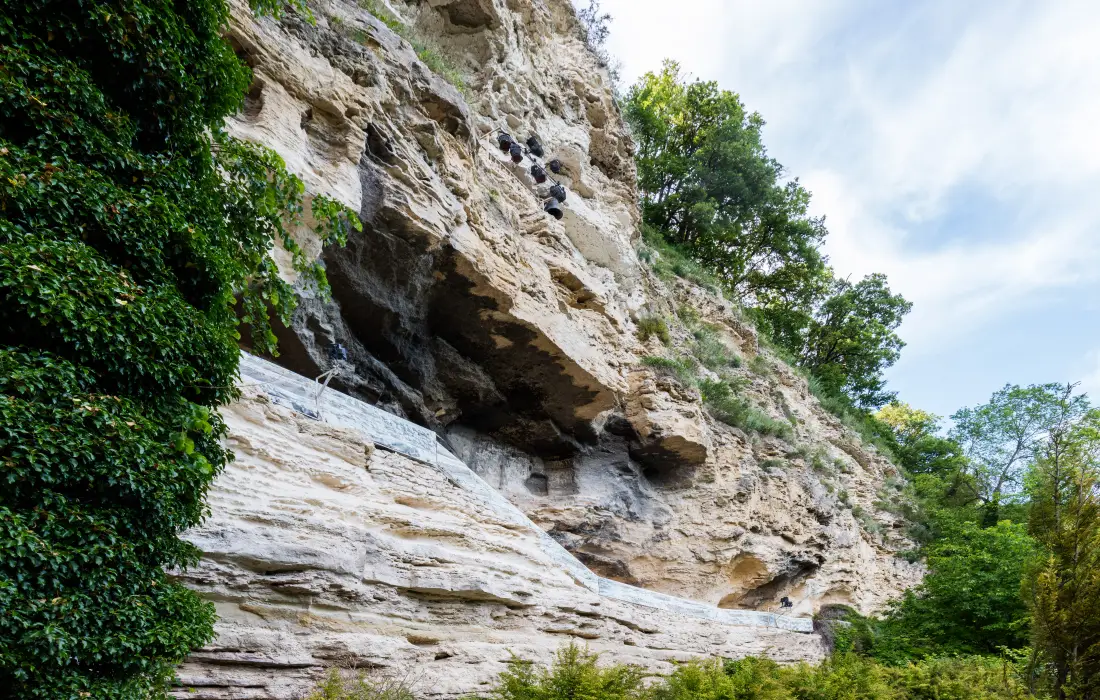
293	354
754	586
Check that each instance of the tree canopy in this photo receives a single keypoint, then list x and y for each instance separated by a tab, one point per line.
969	602
1001	438
131	226
707	182
711	189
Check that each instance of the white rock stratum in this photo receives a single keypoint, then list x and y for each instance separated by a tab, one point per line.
325	550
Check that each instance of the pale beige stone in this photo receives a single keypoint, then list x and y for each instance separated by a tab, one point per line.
322	548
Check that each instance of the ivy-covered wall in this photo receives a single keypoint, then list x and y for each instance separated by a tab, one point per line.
131	227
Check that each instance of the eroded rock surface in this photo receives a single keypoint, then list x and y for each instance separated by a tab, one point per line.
470	311
323	550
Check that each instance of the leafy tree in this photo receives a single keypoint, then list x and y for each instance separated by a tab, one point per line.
709	186
708	183
130	226
1000	438
939	486
1065	590
917	443
851	339
968	603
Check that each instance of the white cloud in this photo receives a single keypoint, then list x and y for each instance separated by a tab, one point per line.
892	114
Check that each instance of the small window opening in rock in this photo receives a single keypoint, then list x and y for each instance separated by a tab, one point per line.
254	100
655	474
378	146
337	352
538	484
307	117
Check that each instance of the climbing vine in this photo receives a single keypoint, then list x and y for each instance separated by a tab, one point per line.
131	228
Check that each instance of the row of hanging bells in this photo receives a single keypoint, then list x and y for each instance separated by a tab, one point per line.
551	206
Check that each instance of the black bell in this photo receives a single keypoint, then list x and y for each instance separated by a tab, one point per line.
555	165
552	208
558	192
534	146
517	152
337	352
538	173
504	140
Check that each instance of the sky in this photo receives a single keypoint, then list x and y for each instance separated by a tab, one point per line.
954	146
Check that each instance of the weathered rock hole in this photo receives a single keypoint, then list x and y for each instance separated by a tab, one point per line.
378	147
538	484
242	53
253	100
475	14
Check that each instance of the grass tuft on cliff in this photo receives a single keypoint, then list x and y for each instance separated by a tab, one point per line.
428	53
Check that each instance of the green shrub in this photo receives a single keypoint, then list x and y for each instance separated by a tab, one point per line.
959	678
689	315
669	261
711	352
682	368
726	406
361	686
575	674
653	325
745	679
428	53
819	460
380	13
130	226
843	676
760	365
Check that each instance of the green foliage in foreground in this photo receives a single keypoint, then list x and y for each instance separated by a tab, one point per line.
361	686
968	603
130	227
576	674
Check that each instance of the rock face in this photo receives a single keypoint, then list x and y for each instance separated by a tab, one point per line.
323	550
468	310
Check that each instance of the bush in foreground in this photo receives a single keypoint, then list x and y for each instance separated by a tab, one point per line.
576	674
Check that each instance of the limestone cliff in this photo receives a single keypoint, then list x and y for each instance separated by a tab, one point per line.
513	336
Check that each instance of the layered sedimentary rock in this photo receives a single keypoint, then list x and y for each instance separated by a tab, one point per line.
468	310
325	551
